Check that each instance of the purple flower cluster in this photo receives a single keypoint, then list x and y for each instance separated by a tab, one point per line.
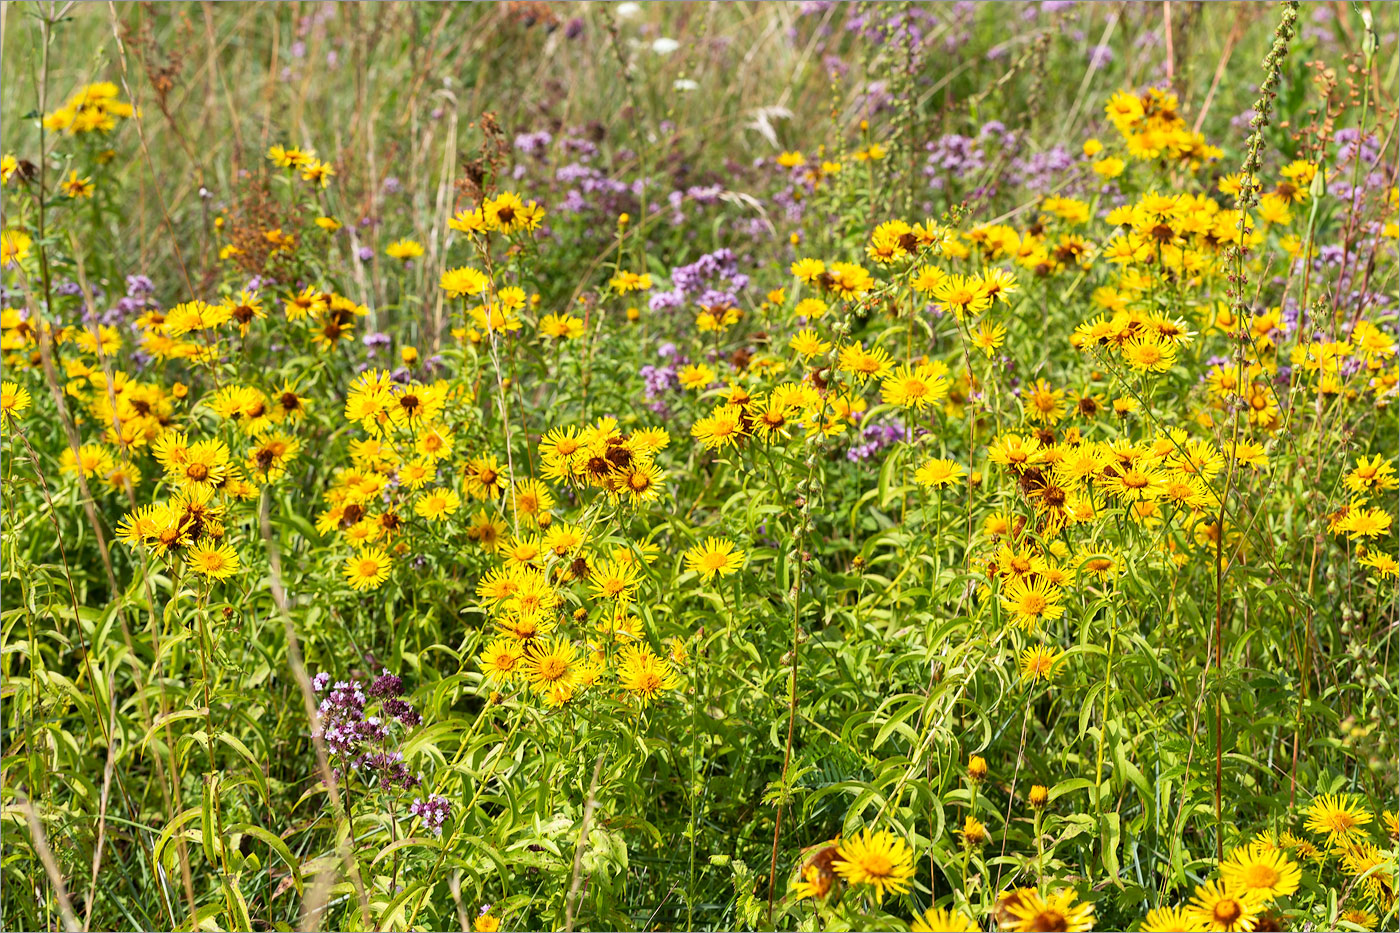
376	341
660	381
713	280
875	438
955	156
361	740
696	194
140	292
1041	170
534	144
433	811
590	189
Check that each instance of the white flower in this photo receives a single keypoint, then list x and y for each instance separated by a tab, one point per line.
665	46
684	84
628	10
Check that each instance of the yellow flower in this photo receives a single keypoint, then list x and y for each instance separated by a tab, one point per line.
404	249
317	172
1166	920
551	663
625	282
1220	906
714	556
943	920
212	560
1385	565
367	569
1039	663
937	473
463	281
1032	603
809	270
722	427
509	214
1149	354
916	387
1374	475
14	247
1257	870
961	295
561	326
1058	911
437	504
878	860
807	344
696	376
14	399
76	187
644	675
849	280
1337	815
973	832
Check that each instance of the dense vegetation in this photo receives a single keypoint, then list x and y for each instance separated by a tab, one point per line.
699	466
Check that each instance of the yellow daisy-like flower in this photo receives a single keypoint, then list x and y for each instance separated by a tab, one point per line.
809	270
368	569
1032	602
1058	911
935	473
914	387
962	295
500	660
878	860
463	281
942	920
404	250
551	663
1039	663
807	344
14	247
1149	354
1385	565
1166	920
1361	917
722	427
1221	906
611	579
14	399
1337	815
437	504
644	675
715	556
1259	870
212	560
973	832
989	337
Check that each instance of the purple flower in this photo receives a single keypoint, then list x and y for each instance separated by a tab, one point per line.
658	381
386	685
403	712
433	811
533	143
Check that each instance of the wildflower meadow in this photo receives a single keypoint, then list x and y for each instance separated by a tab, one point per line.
699	466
